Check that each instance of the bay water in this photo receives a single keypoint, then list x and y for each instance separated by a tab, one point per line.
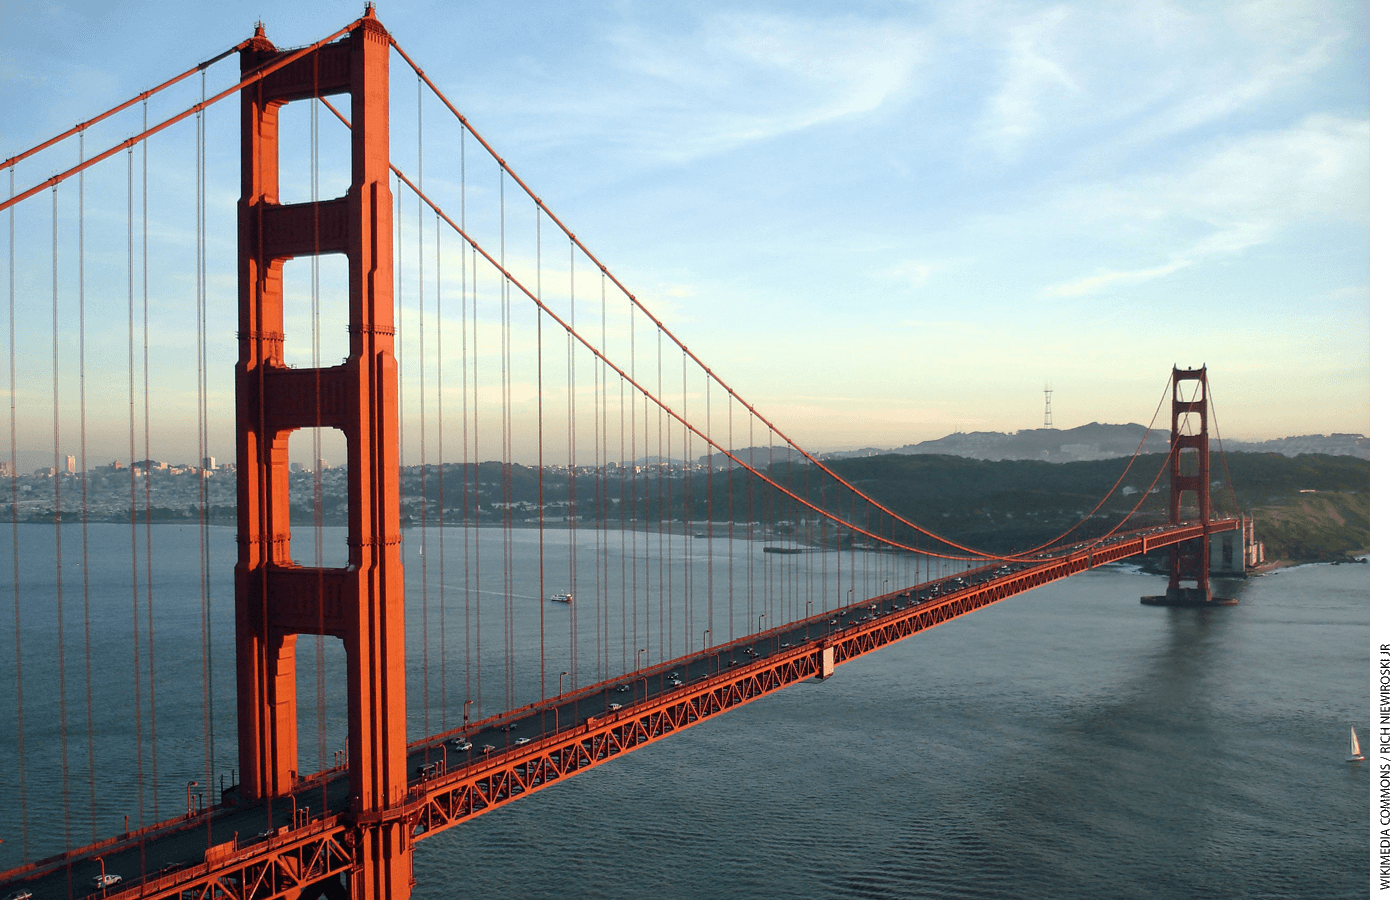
1066	743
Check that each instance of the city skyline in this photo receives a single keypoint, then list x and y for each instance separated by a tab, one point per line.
920	214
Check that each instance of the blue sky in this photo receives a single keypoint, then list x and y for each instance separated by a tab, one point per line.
885	222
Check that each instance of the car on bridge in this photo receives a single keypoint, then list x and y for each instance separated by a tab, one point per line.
102	882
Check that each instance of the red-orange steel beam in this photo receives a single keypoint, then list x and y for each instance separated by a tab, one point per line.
83	126
248	79
439	803
283	866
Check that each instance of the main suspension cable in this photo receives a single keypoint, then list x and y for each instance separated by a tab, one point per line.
505	168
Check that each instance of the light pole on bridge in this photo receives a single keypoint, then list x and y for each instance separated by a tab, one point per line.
560	697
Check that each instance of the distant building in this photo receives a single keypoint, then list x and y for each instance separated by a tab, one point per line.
7	469
209	464
1233	552
70	465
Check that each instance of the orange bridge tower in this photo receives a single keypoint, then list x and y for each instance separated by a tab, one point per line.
1190	474
276	600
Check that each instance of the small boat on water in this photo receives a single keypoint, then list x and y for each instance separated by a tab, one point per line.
1355	749
562	597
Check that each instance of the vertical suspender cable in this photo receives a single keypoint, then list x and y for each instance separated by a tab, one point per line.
662	486
402	336
422	430
539	427
507	495
146	483
749	622
601	477
202	375
58	542
402	333
730	506
82	485
622	514
601	392
317	497
685	514
622	522
466	461
476	475
598	525
14	550
131	481
646	513
709	523
572	506
632	466
441	549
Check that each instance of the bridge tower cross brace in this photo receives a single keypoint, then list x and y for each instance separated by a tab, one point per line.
1190	473
275	599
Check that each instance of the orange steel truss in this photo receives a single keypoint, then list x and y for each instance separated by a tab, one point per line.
438	803
306	862
276	600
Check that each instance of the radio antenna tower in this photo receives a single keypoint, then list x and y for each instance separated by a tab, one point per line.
1049	421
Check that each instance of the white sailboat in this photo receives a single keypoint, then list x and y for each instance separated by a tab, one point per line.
1355	749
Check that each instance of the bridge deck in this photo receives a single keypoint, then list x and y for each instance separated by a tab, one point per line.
267	850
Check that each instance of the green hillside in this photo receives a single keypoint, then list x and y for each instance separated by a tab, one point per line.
1306	508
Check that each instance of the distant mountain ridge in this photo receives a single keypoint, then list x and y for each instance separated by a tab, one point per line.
1099	441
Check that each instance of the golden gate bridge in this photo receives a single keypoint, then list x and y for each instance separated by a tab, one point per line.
634	548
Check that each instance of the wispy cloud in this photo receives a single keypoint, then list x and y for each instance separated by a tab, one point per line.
1146	71
734	78
1031	78
1246	193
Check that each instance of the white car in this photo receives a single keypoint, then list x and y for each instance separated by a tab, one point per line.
106	881
521	740
614	706
462	746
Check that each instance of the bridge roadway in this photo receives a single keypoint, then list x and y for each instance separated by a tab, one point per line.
265	849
